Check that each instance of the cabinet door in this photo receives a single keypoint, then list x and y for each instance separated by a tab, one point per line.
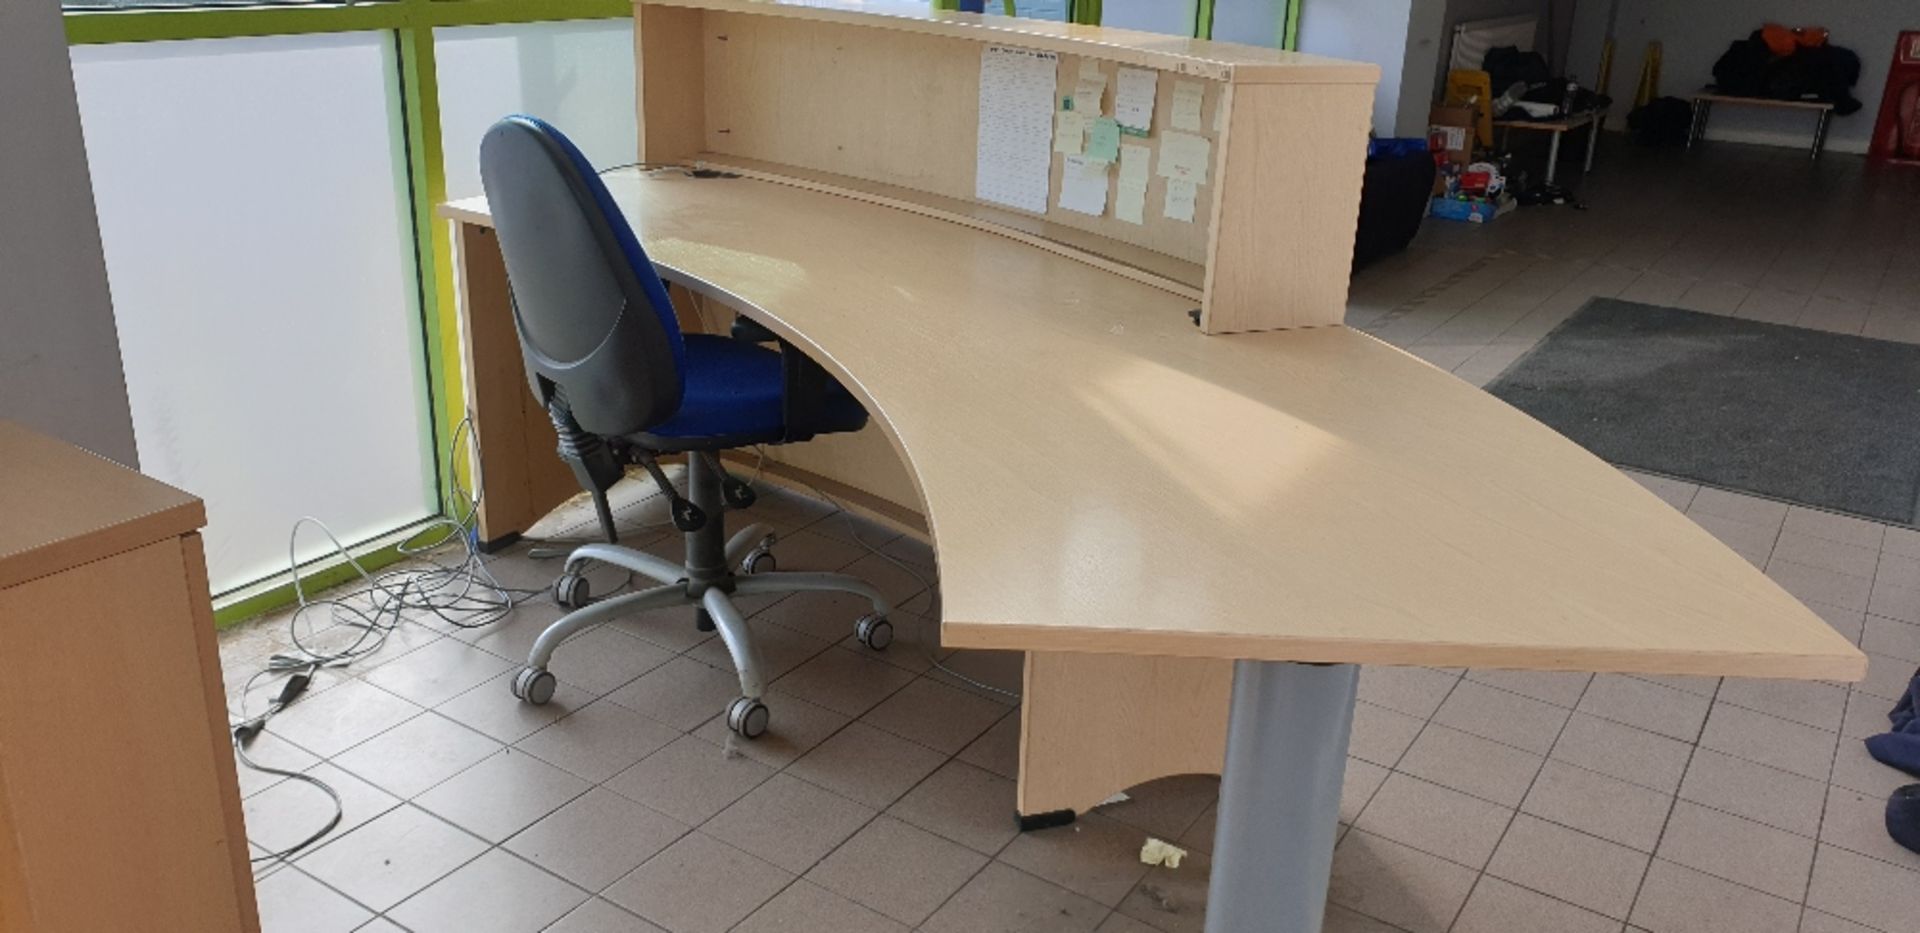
117	773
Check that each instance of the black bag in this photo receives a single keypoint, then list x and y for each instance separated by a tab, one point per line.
1393	201
1663	121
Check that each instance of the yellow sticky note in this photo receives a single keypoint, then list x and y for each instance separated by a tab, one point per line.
1180	198
1184	156
1069	131
1133	163
1187	97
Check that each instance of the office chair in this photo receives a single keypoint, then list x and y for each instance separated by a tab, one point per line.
621	383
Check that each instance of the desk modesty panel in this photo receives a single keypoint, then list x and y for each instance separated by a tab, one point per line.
1099	476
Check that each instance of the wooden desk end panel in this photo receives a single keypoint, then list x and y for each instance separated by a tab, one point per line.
522	477
1287	203
1092	725
669	67
124	816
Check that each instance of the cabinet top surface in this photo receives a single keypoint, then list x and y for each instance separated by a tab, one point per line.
1100	476
1221	60
61	506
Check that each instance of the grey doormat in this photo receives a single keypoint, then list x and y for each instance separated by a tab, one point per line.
1821	419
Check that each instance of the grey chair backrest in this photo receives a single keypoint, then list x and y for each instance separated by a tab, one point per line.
597	329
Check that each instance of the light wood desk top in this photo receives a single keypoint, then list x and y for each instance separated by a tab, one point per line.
1100	477
61	506
1242	64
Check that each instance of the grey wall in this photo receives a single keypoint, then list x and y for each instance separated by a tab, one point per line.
59	353
1694	33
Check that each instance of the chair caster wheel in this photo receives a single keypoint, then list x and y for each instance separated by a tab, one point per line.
760	559
747	717
874	631
534	685
571	591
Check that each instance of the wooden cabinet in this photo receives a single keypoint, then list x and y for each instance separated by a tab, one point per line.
119	805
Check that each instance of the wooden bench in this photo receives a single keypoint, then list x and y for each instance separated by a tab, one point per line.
1703	107
1558	127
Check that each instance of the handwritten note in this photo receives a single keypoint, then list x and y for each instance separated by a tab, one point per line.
1069	131
1185	157
1130	201
1187	98
1103	140
1133	98
1180	198
1014	156
1133	164
1091	86
1083	185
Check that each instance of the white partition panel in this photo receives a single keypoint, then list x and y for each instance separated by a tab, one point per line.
254	212
576	75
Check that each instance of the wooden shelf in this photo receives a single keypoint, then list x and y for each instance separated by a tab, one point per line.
1142	265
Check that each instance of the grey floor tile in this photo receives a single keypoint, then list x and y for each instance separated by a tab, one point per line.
1497	906
598	741
901	871
292	902
1094	856
436	673
290	812
794	727
393	856
1584	870
842	681
1675	897
417	754
502	794
698	885
1402	886
1435	820
495	893
682	693
1739	850
597	915
1470	764
788	822
597	838
352	713
934	714
963	803
1599	805
805	907
866	764
689	780
1003	899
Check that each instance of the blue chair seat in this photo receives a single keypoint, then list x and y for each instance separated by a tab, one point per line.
734	395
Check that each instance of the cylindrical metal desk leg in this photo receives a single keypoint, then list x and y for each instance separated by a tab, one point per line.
1280	796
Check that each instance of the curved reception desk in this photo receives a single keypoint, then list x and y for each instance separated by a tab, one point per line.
1147	454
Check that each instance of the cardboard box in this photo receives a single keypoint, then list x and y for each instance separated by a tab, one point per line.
1450	130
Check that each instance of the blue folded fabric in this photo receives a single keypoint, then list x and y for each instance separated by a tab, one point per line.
1900	747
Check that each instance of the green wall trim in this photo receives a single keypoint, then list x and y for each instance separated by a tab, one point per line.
313	581
1290	27
93	27
1085	12
1203	20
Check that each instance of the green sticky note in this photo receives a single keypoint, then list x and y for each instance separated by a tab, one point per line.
1103	140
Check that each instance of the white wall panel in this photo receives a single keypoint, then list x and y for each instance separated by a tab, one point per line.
254	215
577	76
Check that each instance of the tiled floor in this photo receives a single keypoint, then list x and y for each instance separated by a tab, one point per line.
1476	800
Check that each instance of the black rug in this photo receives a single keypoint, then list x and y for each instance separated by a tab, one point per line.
1820	419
